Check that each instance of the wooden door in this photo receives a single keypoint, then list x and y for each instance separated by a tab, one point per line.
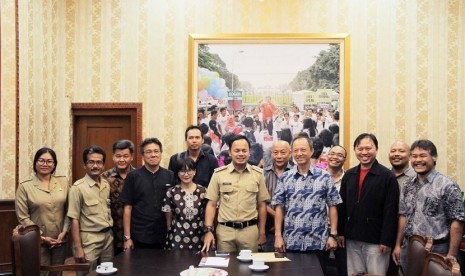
102	126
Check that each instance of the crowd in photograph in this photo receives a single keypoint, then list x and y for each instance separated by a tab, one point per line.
290	195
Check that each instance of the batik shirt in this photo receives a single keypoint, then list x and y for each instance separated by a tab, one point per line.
304	199
431	207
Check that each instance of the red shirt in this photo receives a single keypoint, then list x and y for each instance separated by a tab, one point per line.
363	173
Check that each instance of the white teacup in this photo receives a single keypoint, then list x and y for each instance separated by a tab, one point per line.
107	266
245	253
258	262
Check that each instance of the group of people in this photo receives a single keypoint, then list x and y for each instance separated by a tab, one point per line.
365	215
265	124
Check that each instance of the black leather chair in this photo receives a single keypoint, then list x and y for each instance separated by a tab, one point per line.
26	254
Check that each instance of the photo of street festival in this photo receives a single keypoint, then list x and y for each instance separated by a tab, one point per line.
269	92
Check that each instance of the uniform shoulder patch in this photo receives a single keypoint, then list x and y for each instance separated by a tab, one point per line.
25	181
79	182
219	169
258	169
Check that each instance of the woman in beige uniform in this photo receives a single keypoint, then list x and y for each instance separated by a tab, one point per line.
42	200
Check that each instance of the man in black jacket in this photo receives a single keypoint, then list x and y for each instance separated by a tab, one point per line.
368	214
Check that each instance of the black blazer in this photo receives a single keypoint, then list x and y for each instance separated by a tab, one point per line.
373	218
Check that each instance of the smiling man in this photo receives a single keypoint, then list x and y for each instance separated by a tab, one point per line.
430	205
240	189
144	221
399	155
302	198
368	214
123	154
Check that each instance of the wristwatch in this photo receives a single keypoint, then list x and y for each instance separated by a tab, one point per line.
334	236
126	238
209	229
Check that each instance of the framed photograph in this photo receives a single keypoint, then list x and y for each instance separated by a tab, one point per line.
270	87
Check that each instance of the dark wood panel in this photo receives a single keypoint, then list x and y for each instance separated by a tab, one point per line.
7	222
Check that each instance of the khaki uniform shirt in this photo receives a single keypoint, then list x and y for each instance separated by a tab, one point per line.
237	193
89	203
42	207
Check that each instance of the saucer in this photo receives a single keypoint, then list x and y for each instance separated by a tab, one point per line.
245	259
107	272
258	268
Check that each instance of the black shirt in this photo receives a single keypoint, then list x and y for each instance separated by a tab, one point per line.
145	192
205	165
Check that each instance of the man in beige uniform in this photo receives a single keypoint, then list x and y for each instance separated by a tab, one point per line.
240	190
89	211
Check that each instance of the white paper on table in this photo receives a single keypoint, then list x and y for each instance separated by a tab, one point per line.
215	261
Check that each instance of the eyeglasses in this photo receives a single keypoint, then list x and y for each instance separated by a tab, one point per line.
49	162
150	152
93	163
188	172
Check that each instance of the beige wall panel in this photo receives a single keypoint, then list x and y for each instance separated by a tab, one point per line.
407	67
8	101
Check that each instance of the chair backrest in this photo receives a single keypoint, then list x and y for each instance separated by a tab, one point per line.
438	265
26	250
418	248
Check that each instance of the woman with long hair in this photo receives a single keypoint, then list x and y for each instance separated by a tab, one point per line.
42	200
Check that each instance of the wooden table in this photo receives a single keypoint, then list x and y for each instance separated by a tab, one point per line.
159	262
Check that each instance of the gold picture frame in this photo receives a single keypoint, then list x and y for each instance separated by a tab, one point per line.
228	50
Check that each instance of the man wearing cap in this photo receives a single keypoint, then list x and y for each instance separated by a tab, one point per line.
89	211
240	190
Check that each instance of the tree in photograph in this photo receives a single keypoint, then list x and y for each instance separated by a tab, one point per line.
214	63
323	74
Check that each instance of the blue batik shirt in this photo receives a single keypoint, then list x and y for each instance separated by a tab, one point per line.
305	200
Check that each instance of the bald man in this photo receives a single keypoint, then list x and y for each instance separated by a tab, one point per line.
280	155
399	155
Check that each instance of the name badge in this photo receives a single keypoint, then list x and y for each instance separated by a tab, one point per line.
227	183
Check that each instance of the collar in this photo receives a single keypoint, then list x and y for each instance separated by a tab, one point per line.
185	154
375	168
295	171
272	168
429	178
91	182
231	168
114	172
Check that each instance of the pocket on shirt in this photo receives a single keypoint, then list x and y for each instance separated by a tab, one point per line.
252	188
92	206
226	189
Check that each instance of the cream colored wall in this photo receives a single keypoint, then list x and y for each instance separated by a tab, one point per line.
407	67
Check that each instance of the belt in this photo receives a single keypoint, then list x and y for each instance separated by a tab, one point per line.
239	225
104	230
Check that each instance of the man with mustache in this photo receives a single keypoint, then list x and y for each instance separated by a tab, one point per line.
430	205
89	211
